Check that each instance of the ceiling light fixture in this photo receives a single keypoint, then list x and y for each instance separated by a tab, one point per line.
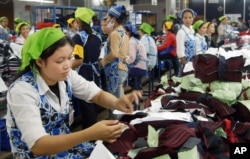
40	1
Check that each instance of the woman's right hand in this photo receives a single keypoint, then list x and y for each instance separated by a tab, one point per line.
183	61
107	130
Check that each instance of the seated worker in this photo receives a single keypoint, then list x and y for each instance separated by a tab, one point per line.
136	59
209	36
167	50
149	43
22	30
40	107
4	30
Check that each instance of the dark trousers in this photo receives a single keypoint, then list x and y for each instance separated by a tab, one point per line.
174	59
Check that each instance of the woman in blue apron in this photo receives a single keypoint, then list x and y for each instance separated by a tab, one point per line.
185	37
116	51
87	50
200	32
39	102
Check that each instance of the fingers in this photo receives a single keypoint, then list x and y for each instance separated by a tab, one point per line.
135	96
111	122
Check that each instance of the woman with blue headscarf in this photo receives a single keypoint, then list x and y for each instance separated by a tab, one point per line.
116	50
137	58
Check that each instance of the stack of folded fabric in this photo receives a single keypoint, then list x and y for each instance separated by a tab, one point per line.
232	69
206	67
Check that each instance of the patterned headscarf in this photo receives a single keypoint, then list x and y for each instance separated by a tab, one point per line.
116	11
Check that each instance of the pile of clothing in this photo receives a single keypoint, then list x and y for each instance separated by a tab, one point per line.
199	115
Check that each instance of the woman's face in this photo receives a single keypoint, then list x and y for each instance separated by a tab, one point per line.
110	22
75	25
57	66
211	28
5	22
202	30
104	26
24	31
187	19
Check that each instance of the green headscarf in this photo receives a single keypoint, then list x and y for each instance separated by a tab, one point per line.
198	24
147	28
2	18
18	20
222	18
84	14
37	42
169	17
18	27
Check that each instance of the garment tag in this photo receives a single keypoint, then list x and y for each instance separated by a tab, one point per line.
71	115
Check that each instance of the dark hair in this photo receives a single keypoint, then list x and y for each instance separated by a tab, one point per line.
21	28
122	18
132	34
85	27
47	53
187	10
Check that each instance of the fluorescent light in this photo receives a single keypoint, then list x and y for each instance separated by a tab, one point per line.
40	1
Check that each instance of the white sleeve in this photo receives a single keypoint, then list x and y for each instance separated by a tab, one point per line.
145	42
82	88
23	101
180	43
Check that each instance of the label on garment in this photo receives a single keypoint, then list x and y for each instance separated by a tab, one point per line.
71	115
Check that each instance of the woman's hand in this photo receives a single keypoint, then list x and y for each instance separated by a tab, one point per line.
126	102
183	61
107	130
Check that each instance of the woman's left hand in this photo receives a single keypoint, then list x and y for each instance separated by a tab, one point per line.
126	102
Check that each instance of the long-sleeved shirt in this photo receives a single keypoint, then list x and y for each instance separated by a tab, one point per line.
151	49
169	41
201	44
23	101
135	47
181	38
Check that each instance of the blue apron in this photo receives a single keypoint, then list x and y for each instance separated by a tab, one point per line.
111	69
190	46
54	123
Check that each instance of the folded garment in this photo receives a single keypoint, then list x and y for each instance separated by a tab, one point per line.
207	77
205	63
243	111
232	76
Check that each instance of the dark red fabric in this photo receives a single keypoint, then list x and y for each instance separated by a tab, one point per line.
205	63
188	105
243	113
232	76
221	109
206	78
242	131
235	63
175	135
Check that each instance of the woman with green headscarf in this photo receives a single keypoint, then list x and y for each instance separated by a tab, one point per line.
87	50
39	102
22	30
4	30
149	43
